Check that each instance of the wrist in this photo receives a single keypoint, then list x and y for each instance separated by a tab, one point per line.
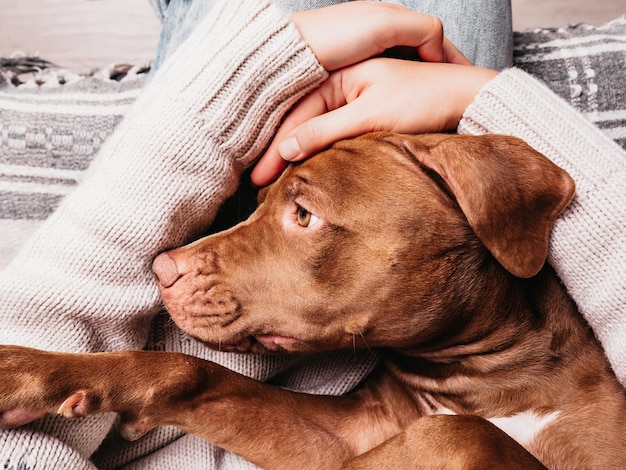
473	83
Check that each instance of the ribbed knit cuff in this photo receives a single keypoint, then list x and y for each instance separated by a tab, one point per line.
588	245
259	67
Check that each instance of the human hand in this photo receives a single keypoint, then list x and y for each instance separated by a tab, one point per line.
347	33
376	95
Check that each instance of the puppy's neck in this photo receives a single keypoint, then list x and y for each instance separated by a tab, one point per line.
528	333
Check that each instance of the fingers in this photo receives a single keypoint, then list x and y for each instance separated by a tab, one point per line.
321	131
267	169
327	96
314	135
317	121
272	163
340	36
315	104
347	33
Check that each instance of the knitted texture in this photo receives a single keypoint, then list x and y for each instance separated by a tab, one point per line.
588	242
51	127
83	281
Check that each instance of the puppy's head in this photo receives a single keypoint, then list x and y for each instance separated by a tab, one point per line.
367	243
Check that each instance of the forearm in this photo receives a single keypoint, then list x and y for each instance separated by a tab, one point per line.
588	246
158	181
241	69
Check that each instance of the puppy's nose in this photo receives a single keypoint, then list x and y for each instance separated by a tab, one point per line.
165	269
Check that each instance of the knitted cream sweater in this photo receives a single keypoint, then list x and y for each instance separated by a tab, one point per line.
83	282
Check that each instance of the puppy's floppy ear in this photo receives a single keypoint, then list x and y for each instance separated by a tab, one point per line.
510	194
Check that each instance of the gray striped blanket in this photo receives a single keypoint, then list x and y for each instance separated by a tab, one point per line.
584	65
52	121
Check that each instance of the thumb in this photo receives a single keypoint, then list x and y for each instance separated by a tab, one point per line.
293	144
321	131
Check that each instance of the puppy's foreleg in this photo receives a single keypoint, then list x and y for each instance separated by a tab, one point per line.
267	425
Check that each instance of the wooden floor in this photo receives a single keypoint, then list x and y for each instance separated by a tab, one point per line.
83	34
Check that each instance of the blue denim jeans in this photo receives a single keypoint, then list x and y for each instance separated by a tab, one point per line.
481	29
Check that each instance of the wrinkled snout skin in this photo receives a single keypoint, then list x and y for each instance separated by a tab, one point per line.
247	283
274	284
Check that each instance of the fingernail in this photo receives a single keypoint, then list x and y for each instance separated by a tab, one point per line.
289	149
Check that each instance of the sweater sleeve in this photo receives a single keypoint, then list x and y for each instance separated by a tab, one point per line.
83	282
157	182
588	243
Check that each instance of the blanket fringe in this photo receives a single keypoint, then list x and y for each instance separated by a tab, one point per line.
34	72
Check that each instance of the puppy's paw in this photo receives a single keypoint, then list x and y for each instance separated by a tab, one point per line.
15	418
35	383
132	428
77	405
21	378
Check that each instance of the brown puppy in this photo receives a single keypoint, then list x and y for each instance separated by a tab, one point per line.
429	248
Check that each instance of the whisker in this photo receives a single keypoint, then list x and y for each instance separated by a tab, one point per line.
365	341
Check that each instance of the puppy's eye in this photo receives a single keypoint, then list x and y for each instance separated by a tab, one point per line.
305	218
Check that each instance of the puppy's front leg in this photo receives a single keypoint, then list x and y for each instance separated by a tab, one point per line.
38	382
269	426
273	427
